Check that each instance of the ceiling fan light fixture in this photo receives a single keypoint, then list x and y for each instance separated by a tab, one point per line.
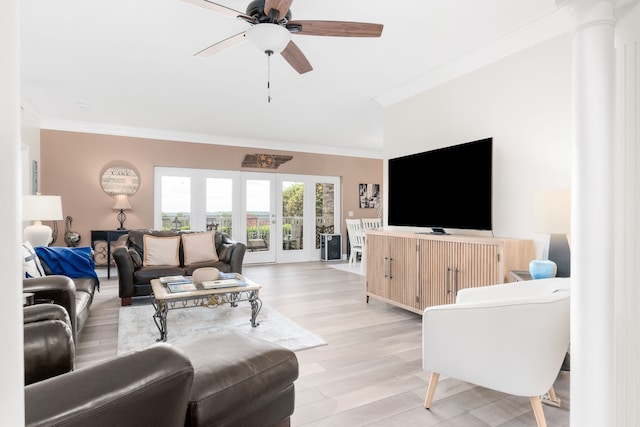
269	37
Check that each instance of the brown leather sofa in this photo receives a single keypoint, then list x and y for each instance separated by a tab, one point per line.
49	349
75	295
230	380
134	278
145	388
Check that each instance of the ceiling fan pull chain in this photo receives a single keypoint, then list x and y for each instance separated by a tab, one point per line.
269	53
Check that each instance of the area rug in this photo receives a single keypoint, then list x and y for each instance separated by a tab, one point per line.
137	330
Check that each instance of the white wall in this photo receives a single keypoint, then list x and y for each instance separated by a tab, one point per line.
30	137
524	103
12	370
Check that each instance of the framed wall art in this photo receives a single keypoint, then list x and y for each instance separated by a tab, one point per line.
34	177
369	196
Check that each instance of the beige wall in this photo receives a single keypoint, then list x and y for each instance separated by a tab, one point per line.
72	164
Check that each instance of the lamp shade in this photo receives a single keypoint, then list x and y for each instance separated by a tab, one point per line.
269	37
38	209
552	211
41	208
122	203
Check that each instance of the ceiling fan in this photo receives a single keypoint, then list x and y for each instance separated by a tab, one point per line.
271	29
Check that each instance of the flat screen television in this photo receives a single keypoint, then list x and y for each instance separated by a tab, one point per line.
444	188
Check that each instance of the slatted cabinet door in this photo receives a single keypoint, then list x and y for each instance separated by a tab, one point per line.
376	253
403	272
392	269
436	272
447	267
480	265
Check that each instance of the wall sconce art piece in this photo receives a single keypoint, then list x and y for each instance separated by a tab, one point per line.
120	180
264	161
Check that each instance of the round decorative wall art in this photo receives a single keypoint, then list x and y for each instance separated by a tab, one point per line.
120	180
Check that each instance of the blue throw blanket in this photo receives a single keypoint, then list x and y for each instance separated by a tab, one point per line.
70	262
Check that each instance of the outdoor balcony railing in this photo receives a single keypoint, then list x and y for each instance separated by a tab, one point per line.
258	227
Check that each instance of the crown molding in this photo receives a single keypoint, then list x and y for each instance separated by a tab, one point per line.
198	138
544	28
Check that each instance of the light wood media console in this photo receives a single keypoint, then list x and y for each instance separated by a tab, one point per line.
415	271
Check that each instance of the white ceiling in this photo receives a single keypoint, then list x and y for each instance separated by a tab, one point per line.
127	67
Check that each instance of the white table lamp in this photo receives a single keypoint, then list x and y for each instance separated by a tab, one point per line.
37	209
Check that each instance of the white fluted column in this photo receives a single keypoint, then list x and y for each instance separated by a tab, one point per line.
592	239
627	221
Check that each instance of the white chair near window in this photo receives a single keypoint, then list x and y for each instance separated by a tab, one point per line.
356	241
371	223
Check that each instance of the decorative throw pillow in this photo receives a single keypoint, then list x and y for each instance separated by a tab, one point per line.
31	263
135	258
199	247
161	250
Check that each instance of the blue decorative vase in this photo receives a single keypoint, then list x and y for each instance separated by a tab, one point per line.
542	268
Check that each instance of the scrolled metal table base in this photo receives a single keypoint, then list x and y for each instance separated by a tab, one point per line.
162	307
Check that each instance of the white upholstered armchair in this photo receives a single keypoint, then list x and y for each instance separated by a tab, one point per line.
510	337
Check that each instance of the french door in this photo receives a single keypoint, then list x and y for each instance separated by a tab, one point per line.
279	217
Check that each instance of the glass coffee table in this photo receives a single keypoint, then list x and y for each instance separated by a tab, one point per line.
196	296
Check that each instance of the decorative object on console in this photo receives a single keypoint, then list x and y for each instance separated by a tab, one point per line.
120	180
542	269
552	215
122	204
264	161
71	238
40	208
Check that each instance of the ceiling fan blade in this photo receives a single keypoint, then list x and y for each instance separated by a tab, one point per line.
335	28
222	45
294	56
219	8
282	6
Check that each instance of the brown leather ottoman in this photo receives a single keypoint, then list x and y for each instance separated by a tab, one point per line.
240	380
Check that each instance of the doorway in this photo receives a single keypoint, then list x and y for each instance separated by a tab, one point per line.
280	217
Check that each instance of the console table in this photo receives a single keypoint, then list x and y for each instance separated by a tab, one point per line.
414	271
107	236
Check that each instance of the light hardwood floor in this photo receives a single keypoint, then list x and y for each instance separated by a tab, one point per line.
370	372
